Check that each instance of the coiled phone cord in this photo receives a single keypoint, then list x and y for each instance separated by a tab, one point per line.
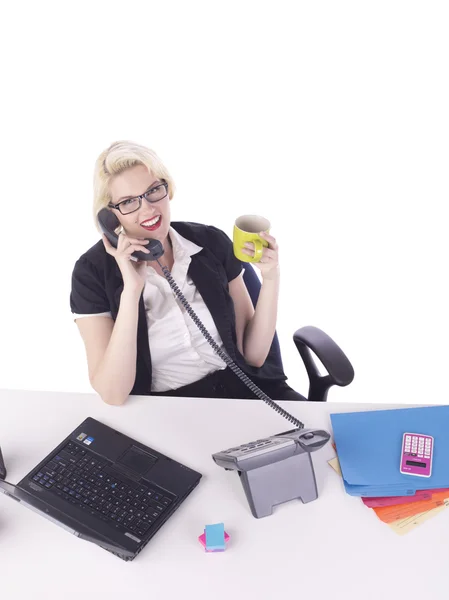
231	364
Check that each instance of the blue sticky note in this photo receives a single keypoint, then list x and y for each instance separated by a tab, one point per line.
215	539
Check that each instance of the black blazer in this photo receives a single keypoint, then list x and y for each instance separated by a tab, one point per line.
97	284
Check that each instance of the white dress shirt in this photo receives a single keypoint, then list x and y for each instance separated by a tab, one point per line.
180	354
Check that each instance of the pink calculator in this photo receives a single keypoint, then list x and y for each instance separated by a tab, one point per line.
416	456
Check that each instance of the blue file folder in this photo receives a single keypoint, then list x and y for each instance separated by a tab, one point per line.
369	448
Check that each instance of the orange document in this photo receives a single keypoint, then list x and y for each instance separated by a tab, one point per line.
389	514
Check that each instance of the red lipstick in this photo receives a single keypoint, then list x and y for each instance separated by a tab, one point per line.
154	226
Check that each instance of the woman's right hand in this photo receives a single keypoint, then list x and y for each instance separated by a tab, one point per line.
133	272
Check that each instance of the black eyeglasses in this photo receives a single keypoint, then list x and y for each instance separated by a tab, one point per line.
154	194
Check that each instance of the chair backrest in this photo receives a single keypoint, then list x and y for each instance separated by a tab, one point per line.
253	285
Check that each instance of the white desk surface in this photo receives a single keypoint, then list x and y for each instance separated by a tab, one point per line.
331	548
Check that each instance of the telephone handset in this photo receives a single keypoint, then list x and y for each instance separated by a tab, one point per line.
108	223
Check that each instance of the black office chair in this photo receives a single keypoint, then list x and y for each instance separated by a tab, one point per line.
339	370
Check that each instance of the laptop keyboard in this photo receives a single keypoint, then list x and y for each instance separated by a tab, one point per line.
86	480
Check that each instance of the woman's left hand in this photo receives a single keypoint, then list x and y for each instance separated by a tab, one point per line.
269	263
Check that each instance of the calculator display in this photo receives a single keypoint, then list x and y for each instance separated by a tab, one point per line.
414	463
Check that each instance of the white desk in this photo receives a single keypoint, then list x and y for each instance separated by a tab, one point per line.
331	548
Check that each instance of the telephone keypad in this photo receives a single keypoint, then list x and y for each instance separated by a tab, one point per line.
257	446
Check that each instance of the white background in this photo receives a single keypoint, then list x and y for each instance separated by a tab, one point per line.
329	118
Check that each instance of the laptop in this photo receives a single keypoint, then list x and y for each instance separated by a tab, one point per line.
105	488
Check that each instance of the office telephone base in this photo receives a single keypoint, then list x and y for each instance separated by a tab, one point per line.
290	479
276	469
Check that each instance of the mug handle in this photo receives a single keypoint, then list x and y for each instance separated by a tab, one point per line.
258	249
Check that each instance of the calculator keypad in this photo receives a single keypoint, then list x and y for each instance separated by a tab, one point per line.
417	452
418	445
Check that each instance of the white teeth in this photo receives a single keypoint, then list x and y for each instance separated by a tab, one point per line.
151	222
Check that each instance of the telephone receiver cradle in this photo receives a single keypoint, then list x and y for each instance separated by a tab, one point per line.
108	223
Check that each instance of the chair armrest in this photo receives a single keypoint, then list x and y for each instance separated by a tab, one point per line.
340	370
2	467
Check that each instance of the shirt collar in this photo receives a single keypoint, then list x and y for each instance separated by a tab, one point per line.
182	248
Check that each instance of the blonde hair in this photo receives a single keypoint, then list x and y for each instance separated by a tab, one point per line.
117	158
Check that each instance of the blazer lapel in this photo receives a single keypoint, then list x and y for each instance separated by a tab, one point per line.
143	346
210	285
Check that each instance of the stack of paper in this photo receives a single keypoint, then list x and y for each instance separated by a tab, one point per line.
369	448
404	513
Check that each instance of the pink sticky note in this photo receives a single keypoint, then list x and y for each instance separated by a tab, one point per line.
202	540
393	500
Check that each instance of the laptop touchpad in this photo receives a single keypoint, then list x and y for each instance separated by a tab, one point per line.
137	460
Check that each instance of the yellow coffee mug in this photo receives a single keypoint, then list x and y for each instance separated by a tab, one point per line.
247	229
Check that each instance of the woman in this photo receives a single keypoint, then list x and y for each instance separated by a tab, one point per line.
138	337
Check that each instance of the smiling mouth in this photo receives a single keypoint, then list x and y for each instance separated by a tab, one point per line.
152	224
